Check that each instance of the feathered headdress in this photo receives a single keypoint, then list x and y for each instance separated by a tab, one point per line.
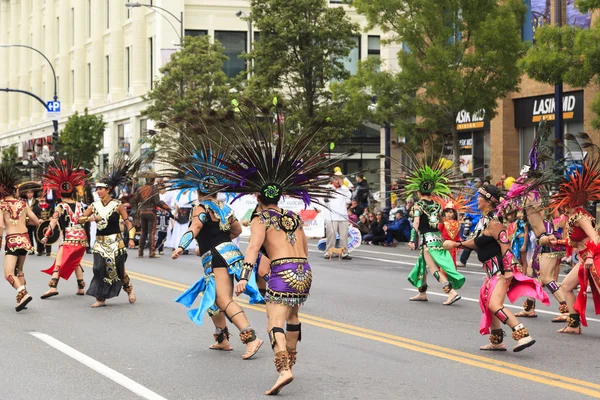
122	169
457	203
263	160
193	163
537	177
581	182
63	177
9	179
429	173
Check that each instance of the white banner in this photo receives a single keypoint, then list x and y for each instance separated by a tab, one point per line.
314	225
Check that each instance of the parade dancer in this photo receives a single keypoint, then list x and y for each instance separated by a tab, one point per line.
109	249
450	227
526	195
214	226
265	164
429	179
64	179
580	234
504	277
14	213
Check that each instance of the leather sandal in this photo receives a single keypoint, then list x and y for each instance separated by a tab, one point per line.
99	304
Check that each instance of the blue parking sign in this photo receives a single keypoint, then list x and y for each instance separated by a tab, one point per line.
53	106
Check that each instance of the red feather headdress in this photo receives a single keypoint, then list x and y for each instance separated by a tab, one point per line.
63	178
457	203
583	186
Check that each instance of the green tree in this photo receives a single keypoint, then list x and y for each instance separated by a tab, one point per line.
10	155
567	54
301	50
82	138
193	86
459	55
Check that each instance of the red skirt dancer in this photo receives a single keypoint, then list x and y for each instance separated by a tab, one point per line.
73	249
588	276
450	231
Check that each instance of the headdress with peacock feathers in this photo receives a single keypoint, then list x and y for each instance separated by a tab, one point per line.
264	158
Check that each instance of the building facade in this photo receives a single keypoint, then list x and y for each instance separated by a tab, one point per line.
107	56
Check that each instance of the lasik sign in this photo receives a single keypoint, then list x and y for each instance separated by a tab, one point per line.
544	108
468	121
532	110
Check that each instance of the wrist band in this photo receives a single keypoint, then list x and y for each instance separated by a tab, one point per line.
186	239
246	271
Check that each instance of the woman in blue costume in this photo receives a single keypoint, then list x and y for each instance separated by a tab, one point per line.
214	226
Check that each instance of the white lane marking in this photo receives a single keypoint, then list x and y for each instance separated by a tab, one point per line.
98	367
412	264
506	305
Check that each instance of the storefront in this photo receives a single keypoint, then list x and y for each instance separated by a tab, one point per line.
530	111
474	140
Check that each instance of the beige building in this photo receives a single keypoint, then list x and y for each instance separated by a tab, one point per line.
107	56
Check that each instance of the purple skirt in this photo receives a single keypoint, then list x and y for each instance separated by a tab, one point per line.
290	281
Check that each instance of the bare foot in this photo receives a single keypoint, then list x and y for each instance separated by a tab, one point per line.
132	297
452	299
224	346
51	292
493	347
285	378
570	330
561	318
419	297
252	348
526	314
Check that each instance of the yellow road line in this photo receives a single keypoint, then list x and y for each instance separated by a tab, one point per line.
515	370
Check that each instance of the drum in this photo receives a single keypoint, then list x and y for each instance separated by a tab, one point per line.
41	230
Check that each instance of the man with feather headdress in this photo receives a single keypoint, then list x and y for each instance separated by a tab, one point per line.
428	176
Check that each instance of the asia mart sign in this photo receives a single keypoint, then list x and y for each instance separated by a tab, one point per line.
532	110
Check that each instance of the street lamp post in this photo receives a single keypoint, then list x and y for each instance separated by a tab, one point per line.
239	14
180	19
54	122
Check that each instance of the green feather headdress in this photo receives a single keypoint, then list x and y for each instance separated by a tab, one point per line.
429	173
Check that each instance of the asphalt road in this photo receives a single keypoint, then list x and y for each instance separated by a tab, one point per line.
362	339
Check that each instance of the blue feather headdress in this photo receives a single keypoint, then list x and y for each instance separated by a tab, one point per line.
193	163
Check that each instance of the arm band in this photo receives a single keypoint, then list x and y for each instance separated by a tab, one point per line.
246	271
563	242
186	239
414	237
131	233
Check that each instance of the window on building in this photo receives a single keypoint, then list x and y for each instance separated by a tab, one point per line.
128	68
57	35
72	26
196	32
124	137
235	44
151	63
351	62
107	14
89	81
107	74
374	47
72	86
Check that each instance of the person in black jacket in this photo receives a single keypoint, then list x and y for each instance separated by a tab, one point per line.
379	234
362	191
